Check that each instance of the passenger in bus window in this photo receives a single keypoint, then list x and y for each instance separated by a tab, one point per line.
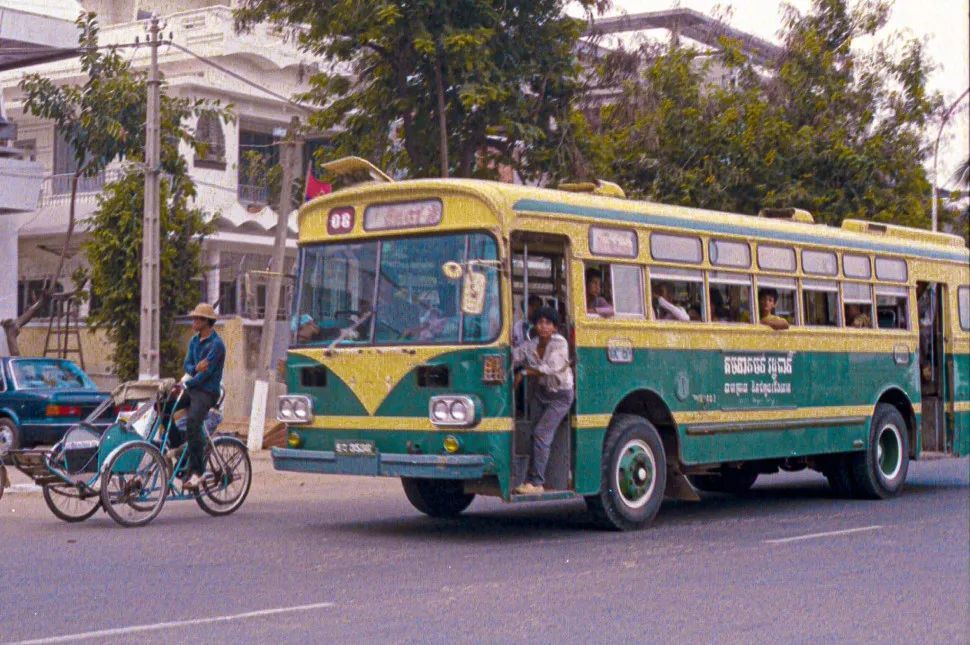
663	308
595	302
854	316
545	357
767	298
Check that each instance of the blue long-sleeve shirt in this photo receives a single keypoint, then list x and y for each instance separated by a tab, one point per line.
214	351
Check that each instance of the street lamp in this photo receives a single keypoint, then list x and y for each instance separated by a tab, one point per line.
936	152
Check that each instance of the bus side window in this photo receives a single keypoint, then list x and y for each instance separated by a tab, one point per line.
820	301
963	304
785	291
677	294
892	305
730	295
599	292
857	303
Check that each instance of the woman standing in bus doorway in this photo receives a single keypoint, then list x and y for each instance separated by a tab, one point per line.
546	357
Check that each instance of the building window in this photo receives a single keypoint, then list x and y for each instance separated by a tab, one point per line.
208	131
28	292
257	155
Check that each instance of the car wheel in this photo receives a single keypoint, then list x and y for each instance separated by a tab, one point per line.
9	437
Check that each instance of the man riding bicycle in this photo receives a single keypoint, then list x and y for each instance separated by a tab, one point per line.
203	377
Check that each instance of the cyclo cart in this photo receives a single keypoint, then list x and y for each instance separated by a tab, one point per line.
133	467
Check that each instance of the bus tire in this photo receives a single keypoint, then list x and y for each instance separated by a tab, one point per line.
634	475
437	497
734	481
879	471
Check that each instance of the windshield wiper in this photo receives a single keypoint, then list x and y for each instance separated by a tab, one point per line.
347	331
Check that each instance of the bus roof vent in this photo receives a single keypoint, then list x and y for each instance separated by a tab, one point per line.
351	166
791	214
903	233
598	187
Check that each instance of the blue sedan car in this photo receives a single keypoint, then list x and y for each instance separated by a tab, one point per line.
40	398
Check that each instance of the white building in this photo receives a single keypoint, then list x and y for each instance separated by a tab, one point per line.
244	225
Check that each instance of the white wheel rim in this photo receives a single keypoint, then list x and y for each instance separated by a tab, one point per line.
889	441
6	440
635	484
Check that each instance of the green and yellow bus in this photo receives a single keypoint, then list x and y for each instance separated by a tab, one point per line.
408	293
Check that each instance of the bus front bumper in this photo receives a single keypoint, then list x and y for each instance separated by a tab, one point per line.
384	465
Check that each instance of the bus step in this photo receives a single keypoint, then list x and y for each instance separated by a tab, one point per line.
547	496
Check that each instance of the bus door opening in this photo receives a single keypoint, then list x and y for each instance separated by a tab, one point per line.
936	436
539	279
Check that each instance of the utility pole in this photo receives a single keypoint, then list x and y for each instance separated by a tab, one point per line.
148	341
290	155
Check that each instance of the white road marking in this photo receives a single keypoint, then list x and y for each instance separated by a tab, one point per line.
123	631
812	536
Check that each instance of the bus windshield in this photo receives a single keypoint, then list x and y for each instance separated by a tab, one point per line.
394	291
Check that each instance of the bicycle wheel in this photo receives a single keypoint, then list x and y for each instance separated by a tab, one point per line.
229	475
70	503
134	484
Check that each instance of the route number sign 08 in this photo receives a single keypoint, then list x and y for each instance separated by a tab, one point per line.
340	220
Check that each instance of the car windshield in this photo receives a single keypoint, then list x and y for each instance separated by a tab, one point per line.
395	292
49	374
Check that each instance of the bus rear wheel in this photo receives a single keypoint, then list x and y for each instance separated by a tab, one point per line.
634	475
735	481
437	497
879	471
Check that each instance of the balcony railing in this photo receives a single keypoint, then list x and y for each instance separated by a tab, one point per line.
57	188
249	194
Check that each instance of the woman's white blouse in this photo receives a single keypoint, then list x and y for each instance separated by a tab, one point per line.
555	372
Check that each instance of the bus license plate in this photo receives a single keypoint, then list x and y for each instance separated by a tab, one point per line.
355	448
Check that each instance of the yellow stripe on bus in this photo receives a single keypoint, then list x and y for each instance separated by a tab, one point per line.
404	424
742	416
961	406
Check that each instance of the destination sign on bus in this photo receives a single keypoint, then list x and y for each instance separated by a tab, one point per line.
382	217
612	241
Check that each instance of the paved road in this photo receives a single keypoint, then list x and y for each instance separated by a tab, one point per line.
348	560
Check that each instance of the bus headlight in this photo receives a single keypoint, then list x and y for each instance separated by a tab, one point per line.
294	409
457	410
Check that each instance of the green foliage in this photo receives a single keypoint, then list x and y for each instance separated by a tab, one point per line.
824	128
504	71
105	121
114	251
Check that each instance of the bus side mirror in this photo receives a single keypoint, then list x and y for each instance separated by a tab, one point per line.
473	293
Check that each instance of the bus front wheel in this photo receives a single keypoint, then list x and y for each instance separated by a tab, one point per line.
437	497
879	471
634	475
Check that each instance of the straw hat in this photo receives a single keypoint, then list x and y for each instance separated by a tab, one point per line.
203	310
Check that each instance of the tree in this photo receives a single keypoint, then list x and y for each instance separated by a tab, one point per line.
823	127
113	246
441	88
113	250
100	119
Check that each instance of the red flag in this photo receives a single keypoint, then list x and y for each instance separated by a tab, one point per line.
314	186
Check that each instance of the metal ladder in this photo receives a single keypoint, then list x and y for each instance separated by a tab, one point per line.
63	328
